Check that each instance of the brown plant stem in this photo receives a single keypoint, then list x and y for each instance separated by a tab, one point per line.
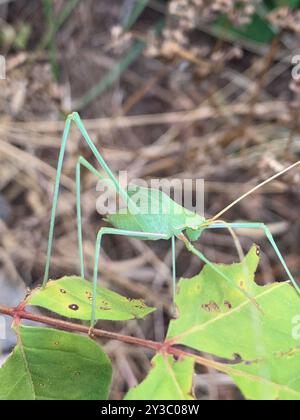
167	347
20	313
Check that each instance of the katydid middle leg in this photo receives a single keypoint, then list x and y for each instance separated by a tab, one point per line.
266	230
117	232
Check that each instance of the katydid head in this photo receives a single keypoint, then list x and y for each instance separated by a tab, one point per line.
194	227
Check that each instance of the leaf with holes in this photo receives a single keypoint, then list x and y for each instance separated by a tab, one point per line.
71	297
53	365
168	380
217	319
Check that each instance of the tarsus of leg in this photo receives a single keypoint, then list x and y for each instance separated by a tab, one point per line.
131	205
118	232
269	235
82	162
214	267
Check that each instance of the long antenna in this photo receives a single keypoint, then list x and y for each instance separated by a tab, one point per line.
279	174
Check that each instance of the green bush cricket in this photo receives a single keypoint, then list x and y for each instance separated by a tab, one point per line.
183	225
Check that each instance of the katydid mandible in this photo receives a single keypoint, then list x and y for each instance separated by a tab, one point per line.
184	225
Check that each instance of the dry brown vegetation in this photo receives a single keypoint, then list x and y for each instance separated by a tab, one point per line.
194	105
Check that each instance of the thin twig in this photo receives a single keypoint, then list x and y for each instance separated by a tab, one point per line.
69	326
20	313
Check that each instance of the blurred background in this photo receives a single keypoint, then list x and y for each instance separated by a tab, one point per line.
181	88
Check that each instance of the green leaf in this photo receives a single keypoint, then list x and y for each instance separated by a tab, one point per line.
218	319
71	297
53	365
167	380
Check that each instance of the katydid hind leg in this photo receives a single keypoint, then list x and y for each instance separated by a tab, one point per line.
76	118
